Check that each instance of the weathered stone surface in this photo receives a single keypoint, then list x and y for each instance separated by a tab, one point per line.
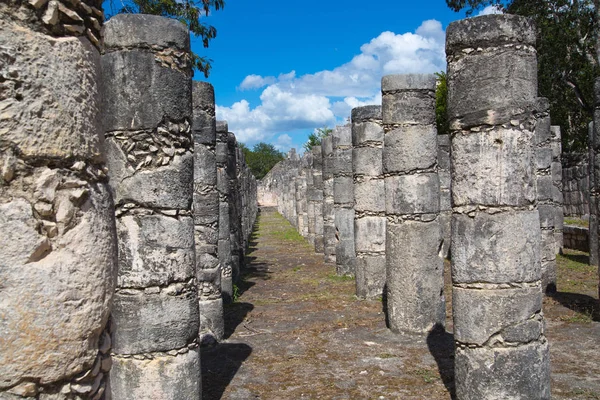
493	168
409	148
143	30
51	331
369	195
365	132
497	373
367	161
513	254
155	250
147	187
139	93
343	191
481	314
211	319
412	194
363	113
150	322
415	285
370	276
50	99
369	234
163	377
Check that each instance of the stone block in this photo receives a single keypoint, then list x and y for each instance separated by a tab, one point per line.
56	292
542	129
369	195
52	109
409	148
544	188
211	320
163	377
342	162
369	234
145	31
367	161
543	157
151	322
139	93
341	136
415	276
546	212
372	112
206	207
412	194
479	314
169	186
221	153
409	107
498	248
498	373
343	190
367	132
205	167
155	250
494	168
370	276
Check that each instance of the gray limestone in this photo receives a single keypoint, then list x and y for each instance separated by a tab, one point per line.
58	247
545	188
593	199
443	157
151	166
499	160
224	240
369	201
329	240
206	213
317	197
414	265
557	193
343	200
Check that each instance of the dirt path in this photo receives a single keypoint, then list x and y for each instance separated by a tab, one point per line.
298	332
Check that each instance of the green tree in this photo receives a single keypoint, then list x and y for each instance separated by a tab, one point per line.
567	58
441	101
262	158
315	138
189	12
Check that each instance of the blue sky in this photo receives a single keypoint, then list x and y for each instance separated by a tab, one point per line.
283	68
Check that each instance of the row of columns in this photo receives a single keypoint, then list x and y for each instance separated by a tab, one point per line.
488	195
115	269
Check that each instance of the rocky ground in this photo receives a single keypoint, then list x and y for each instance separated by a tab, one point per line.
296	331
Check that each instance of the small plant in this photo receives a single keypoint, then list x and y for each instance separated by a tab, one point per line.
236	293
296	269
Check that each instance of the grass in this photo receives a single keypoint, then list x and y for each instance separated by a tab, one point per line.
577	222
340	278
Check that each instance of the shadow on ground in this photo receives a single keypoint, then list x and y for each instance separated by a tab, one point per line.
587	306
441	347
219	366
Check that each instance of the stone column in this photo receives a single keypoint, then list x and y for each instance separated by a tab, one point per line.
317	197
544	190
58	247
310	194
328	211
501	350
343	200
557	193
206	213
369	201
148	93
300	194
443	160
224	241
592	200
596	151
415	269
234	208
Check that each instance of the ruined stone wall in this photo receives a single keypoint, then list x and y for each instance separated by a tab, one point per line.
576	190
329	240
58	249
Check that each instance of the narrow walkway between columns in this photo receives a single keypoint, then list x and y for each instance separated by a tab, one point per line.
297	331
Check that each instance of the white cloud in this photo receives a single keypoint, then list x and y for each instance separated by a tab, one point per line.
283	142
290	102
256	82
491	9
